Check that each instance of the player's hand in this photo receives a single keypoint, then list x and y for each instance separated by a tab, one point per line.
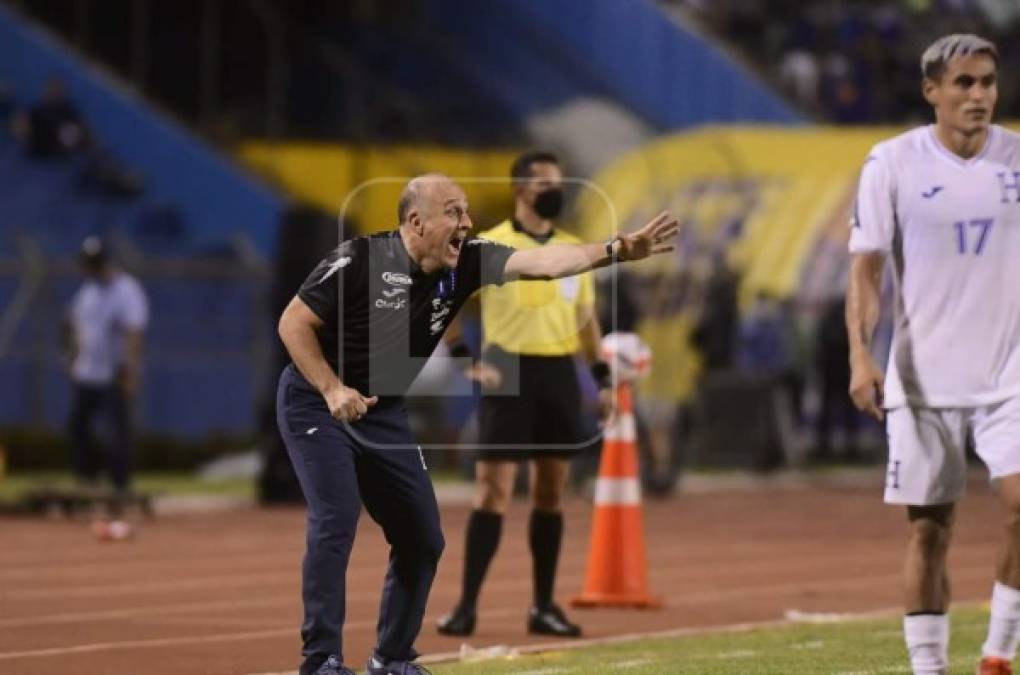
650	239
866	385
348	405
484	374
607	405
127	378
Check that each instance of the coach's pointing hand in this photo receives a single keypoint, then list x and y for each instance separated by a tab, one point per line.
650	239
347	404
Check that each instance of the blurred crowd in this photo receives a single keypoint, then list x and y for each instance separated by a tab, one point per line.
54	129
856	61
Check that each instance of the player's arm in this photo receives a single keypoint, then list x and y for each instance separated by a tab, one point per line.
863	307
590	336
134	340
565	260
479	371
872	229
297	328
590	333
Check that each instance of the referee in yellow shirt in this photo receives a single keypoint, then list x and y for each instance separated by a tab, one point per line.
533	330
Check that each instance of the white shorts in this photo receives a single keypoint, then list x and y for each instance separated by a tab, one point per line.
927	450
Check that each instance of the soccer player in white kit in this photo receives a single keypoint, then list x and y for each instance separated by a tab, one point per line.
942	203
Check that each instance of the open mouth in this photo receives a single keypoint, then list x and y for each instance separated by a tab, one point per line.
454	246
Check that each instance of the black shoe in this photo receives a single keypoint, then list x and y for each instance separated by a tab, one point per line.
551	621
661	486
458	622
333	666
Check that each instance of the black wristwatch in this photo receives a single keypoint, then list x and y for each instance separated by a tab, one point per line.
613	257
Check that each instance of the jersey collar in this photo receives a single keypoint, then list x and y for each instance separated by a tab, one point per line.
952	156
413	268
539	238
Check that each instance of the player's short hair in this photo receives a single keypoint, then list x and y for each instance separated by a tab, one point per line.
936	58
520	170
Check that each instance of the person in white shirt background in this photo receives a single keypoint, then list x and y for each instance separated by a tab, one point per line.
105	326
942	204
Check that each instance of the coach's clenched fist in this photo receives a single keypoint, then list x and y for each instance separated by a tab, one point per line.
347	404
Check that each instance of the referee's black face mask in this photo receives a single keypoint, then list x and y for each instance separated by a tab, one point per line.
549	203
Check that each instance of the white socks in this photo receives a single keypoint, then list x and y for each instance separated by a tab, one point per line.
927	637
1004	624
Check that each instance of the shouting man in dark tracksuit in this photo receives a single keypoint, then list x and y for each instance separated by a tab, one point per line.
358	332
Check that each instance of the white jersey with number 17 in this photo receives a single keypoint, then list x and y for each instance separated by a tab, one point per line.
952	230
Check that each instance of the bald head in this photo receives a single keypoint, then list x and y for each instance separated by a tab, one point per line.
418	191
434	220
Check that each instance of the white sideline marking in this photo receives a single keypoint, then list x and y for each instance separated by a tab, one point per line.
737	654
156	643
798	616
147	611
159	642
451	657
813	644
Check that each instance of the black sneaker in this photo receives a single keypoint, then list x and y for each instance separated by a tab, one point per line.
551	621
460	621
332	666
377	667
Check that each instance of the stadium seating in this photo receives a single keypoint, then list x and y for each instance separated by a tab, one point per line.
208	323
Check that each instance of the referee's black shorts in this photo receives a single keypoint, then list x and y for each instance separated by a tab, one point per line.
536	412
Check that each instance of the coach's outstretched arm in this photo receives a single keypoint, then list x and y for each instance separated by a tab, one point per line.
565	260
863	305
297	328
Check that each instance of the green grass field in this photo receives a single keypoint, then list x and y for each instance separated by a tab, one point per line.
856	647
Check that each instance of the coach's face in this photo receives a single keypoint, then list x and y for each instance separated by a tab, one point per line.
443	224
965	96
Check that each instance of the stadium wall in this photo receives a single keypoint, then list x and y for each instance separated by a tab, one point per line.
540	55
364	182
216	197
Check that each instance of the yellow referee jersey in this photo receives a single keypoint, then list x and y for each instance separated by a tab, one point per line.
537	318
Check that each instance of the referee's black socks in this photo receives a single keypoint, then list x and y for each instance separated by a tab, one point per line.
545	532
483	532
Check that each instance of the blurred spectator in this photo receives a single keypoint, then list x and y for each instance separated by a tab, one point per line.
104	329
762	343
854	61
55	127
832	361
715	336
8	107
800	76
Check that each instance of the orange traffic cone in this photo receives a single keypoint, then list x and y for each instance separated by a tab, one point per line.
617	569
